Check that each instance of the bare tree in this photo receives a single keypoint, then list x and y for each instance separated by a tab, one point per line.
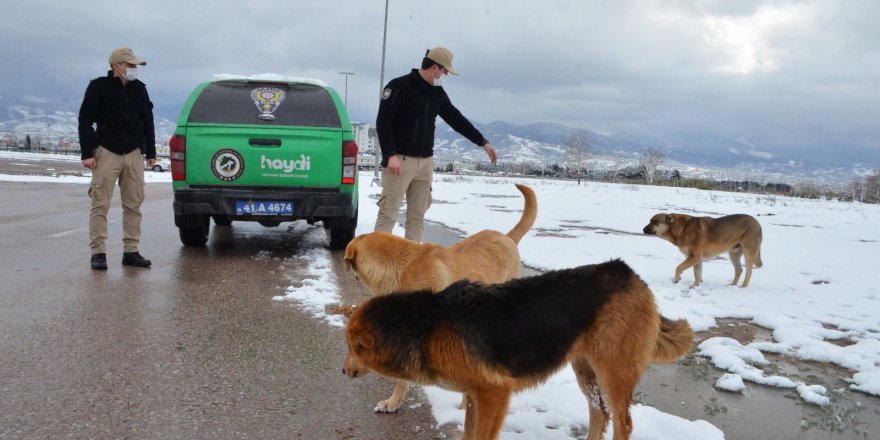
857	189
872	187
866	190
651	159
577	151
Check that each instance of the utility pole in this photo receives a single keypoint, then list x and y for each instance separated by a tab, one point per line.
378	157
346	86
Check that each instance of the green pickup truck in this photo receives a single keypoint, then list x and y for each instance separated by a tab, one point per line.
264	150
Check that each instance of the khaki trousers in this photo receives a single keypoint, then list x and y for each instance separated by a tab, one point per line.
128	170
415	185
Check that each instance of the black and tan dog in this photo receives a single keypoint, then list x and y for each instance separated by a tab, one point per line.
699	238
489	341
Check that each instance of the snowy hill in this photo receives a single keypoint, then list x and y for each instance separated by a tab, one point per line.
51	122
699	154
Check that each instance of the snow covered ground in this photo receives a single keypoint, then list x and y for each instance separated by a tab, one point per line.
817	292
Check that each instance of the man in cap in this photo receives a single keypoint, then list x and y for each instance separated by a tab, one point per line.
405	125
115	130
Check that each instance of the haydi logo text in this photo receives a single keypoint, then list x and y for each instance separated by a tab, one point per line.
287	165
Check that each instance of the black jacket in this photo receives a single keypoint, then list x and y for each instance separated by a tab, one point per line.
123	116
407	115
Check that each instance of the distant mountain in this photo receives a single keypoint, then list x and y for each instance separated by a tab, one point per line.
540	142
52	122
38	122
712	150
697	153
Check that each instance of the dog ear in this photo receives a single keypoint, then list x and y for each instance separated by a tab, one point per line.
669	219
365	339
350	253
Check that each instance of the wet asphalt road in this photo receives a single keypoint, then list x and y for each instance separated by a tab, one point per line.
195	347
192	348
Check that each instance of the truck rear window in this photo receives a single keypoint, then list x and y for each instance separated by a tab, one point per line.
265	103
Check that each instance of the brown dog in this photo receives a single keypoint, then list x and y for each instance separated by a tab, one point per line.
386	263
700	238
489	341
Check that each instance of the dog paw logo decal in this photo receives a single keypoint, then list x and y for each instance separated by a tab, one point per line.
267	100
227	165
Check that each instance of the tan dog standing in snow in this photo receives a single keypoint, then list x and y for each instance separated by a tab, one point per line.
700	238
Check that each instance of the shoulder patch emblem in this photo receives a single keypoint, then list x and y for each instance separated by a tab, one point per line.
386	94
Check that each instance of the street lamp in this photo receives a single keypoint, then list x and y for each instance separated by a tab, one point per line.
346	86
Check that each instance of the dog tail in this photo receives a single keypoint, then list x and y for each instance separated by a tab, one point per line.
674	341
530	212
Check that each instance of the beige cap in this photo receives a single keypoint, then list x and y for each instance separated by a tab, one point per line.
443	57
125	55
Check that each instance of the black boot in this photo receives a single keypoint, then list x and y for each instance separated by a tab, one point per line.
99	261
135	259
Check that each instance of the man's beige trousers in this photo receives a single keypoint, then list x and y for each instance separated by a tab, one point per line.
415	185
128	170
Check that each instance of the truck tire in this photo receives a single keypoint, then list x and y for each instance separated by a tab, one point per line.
342	232
196	235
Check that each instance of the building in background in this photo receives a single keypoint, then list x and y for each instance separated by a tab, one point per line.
368	144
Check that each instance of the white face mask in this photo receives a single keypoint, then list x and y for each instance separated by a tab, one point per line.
131	74
438	81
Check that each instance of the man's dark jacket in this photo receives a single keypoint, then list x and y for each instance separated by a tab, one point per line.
407	115
123	116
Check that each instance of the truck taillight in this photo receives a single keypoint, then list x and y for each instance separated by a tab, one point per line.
349	162
177	145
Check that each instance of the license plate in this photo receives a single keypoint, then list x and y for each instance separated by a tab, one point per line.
263	207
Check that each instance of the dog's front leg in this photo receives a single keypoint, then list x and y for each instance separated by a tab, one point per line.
490	408
691	261
698	274
470	419
392	404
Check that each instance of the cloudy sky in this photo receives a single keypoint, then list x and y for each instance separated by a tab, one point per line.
770	71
